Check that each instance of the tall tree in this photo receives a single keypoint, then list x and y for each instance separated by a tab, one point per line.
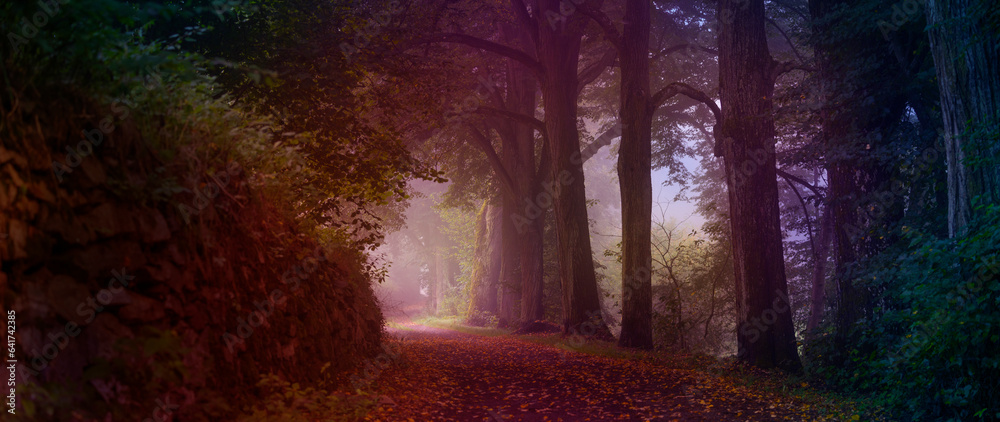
968	75
638	104
634	178
558	50
747	73
485	276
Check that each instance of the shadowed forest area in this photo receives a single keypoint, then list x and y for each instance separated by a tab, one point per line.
500	210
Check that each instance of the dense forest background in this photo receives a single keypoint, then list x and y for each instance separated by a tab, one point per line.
803	185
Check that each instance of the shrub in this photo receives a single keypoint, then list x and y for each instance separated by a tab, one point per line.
929	352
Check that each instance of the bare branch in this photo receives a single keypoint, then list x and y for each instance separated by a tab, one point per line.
805	210
791	177
787	39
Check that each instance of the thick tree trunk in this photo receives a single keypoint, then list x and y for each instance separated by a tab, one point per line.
842	175
440	278
486	273
432	285
765	335
634	178
521	98
494	256
817	301
559	51
968	74
532	271
845	219
510	279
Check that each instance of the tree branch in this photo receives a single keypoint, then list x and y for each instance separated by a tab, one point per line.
788	176
602	141
793	9
523	118
675	88
682	46
506	182
805	211
524	18
605	23
781	68
787	39
590	73
486	45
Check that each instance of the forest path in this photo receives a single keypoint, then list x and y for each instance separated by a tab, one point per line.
446	375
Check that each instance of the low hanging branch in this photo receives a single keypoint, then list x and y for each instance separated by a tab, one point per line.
523	118
524	58
792	178
781	68
691	92
680	47
481	141
594	70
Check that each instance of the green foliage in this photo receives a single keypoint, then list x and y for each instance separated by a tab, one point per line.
291	402
929	351
482	319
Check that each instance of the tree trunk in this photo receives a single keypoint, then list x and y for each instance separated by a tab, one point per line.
440	278
559	51
532	248
634	178
968	74
486	272
765	335
817	302
842	175
493	253
510	279
521	98
432	285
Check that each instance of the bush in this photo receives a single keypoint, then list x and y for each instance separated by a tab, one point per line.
930	350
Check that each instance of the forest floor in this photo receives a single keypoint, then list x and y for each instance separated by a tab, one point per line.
440	372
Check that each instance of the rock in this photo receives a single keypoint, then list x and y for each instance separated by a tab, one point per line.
152	226
5	155
5	200
175	254
102	335
74	199
40	191
14	177
196	316
142	309
108	220
174	304
17	233
28	208
66	228
67	296
101	258
4	244
93	171
162	271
